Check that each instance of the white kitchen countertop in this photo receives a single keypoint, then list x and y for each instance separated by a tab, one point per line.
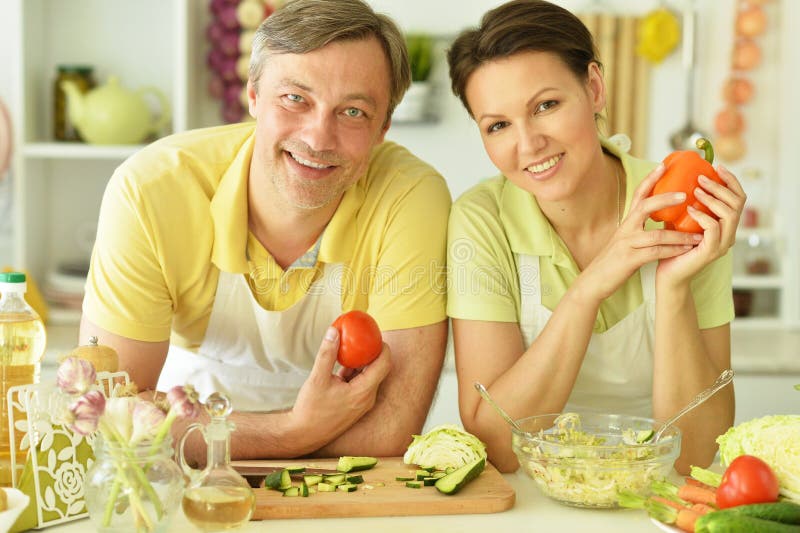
769	355
531	512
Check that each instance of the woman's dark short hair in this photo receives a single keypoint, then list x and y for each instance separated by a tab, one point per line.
521	26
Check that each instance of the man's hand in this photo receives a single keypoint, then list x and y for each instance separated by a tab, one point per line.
328	404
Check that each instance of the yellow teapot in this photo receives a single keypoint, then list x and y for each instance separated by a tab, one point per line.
111	114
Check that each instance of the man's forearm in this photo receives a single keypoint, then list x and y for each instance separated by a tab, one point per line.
256	436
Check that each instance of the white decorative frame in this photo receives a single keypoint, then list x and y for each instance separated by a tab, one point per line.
32	410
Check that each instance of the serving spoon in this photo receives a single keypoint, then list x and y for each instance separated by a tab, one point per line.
485	395
722	380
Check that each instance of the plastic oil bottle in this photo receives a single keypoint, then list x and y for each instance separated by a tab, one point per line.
22	344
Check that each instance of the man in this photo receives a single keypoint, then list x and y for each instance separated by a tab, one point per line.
223	255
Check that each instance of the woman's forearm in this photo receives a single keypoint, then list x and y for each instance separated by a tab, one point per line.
686	362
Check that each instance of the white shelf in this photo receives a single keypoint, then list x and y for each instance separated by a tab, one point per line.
59	185
758	282
67	150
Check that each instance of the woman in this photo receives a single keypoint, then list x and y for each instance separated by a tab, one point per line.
563	294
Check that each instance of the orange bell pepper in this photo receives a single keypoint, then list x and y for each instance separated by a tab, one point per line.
681	173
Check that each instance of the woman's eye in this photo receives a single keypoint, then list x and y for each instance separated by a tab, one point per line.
544	106
497	126
353	112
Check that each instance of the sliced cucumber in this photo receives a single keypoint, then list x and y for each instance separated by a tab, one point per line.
351	464
280	480
422	474
303	489
456	480
347	487
404	478
312	479
429	481
414	484
292	491
358	478
296	469
334	479
325	487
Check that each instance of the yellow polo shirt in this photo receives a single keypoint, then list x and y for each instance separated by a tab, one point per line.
175	214
495	220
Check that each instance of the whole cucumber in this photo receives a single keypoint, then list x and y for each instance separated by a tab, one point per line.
786	512
724	522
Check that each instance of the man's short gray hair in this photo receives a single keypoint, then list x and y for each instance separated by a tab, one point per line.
302	26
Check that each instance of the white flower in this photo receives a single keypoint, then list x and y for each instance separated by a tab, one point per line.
184	401
75	376
146	421
85	412
119	415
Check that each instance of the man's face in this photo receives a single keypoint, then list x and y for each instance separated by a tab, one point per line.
319	115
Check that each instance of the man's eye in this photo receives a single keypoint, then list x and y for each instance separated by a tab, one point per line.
294	97
497	126
353	112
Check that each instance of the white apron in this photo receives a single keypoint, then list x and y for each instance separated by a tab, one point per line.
617	371
259	358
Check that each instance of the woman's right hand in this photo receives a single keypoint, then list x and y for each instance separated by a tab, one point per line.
632	246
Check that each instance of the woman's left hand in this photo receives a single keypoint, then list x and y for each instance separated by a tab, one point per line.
727	203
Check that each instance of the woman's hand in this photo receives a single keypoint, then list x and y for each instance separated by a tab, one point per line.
632	246
727	203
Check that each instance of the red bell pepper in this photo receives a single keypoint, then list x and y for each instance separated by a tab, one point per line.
681	173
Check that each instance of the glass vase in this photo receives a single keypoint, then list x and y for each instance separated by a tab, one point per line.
133	488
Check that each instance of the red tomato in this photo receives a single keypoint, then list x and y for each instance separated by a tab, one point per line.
360	340
747	480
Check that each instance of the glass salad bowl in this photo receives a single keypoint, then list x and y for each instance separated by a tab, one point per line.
584	459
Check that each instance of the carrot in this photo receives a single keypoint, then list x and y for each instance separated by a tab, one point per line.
702	508
696	483
686	519
669	503
694	494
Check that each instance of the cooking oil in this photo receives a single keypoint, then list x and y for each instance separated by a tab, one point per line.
22	345
216	508
217	498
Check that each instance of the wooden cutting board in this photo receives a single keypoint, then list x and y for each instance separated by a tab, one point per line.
488	493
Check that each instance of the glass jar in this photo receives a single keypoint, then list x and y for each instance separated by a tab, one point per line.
63	130
759	256
133	488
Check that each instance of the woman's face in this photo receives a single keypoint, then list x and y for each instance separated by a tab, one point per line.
536	119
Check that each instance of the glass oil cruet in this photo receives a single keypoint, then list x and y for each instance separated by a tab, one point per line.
217	498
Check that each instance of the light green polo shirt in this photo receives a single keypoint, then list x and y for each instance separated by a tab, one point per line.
495	220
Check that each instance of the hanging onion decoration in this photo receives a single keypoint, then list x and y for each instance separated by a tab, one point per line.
750	23
230	33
